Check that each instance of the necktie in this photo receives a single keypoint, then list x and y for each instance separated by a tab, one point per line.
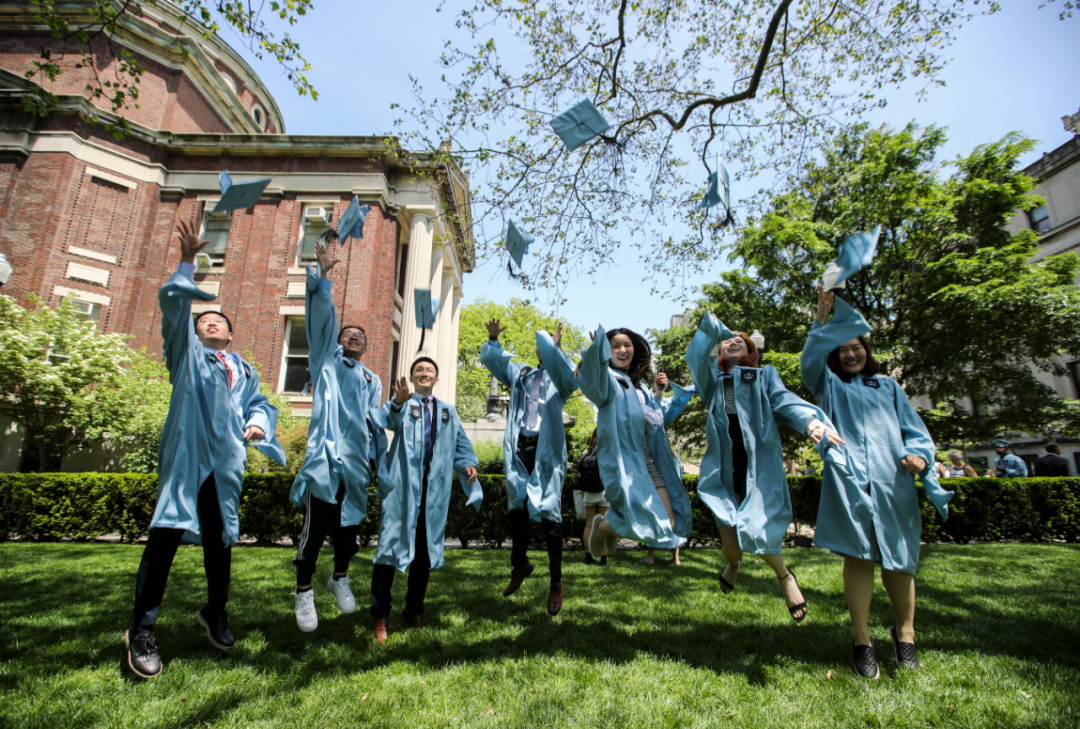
728	382
428	445
228	371
532	413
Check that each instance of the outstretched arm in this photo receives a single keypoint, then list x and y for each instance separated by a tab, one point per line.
496	359
846	324
175	297
465	464
596	381
321	321
699	355
559	367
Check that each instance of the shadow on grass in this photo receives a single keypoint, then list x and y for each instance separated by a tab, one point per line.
67	607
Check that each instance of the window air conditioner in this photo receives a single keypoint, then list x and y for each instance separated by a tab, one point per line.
315	213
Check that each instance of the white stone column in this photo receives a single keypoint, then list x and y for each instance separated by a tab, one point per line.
447	357
455	330
417	276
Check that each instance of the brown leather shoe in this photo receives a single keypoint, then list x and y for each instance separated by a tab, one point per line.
413	621
555	598
516	578
380	631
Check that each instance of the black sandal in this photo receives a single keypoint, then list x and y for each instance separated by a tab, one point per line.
802	605
726	587
906	654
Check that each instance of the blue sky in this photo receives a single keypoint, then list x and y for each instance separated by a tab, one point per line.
1012	71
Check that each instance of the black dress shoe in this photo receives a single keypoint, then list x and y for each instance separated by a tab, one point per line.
555	598
217	629
906	654
866	663
142	653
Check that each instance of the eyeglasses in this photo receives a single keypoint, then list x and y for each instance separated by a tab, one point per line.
354	335
213	320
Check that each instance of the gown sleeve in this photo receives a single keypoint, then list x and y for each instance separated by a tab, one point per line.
596	381
259	411
845	325
699	355
321	320
465	456
378	435
559	367
673	406
177	328
497	360
917	442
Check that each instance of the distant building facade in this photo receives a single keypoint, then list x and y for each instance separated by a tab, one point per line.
91	218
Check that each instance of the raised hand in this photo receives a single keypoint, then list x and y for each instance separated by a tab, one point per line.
824	304
558	335
189	242
325	261
494	330
402	393
661	382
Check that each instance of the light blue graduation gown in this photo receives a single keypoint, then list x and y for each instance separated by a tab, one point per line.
761	399
1013	466
204	430
636	509
342	438
542	490
873	494
401	484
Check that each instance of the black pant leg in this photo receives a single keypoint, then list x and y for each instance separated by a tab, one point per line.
419	570
345	547
382	584
217	557
320	517
157	559
519	534
553	536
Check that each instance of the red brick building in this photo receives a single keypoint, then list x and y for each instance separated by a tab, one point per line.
86	216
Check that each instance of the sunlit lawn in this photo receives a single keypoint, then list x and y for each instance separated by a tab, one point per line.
635	646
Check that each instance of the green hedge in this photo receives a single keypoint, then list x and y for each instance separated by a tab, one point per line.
85	505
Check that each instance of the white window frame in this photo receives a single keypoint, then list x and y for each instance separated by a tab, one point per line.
290	322
301	260
217	259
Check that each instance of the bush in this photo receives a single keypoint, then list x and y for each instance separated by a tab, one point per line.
84	505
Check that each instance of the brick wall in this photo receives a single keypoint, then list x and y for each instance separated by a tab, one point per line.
167	98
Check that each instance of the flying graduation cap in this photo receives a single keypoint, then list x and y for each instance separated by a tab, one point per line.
718	190
351	223
578	124
517	244
856	253
427	307
238	195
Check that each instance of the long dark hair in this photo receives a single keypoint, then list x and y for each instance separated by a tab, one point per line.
872	365
642	359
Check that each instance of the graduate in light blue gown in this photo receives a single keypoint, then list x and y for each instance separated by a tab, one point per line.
215	411
637	466
414	484
869	509
742	477
534	450
343	448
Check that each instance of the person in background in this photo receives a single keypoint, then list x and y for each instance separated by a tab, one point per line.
592	491
534	450
869	509
1008	465
940	470
1052	465
215	411
414	485
957	467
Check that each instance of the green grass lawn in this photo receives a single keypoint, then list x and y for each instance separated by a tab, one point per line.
635	646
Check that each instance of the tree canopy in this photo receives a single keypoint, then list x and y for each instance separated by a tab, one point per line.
759	83
961	311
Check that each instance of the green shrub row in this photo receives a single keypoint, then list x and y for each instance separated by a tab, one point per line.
86	505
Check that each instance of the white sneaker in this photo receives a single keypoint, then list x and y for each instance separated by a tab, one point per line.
306	619
342	593
596	542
